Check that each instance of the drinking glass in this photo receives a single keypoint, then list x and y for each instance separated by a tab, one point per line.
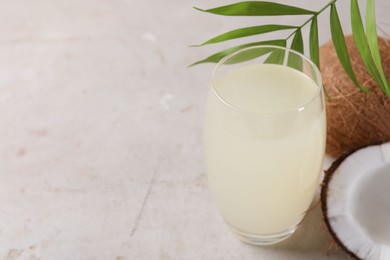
264	141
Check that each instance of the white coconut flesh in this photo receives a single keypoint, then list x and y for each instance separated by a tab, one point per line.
356	202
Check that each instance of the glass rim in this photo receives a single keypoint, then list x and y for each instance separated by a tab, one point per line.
301	108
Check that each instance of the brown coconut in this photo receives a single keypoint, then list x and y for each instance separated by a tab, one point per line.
354	118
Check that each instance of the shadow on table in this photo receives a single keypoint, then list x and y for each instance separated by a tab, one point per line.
311	236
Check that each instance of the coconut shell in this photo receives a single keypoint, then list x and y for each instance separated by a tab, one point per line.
354	118
324	194
329	174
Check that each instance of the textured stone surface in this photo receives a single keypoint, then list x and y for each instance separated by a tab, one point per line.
100	137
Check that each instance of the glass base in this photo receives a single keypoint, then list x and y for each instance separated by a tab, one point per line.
263	240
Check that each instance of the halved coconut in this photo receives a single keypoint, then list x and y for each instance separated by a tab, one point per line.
355	198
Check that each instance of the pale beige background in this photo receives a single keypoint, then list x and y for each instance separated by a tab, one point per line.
100	137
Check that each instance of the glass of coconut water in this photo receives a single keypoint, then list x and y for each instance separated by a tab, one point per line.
264	141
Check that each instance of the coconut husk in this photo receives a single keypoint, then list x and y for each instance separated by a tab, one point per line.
354	118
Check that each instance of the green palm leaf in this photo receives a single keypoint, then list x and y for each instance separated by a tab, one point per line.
297	43
248	31
372	38
276	57
313	42
220	55
341	47
294	60
366	42
257	8
362	44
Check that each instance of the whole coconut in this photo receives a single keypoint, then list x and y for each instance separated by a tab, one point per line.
354	118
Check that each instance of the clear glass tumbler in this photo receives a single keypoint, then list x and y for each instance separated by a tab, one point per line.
264	141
